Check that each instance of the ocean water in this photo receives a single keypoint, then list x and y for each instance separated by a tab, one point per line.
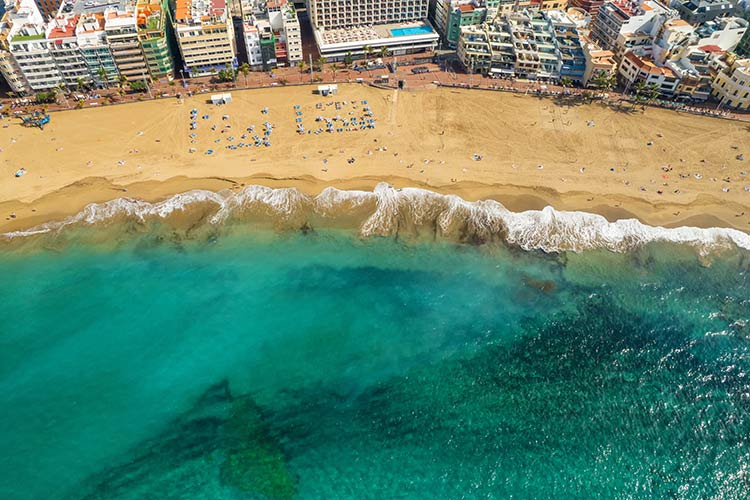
320	365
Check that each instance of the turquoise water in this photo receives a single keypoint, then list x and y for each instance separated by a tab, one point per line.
418	30
319	366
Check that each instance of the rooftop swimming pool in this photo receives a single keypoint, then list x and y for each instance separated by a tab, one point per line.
418	30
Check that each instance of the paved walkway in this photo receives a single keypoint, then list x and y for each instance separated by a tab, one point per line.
332	73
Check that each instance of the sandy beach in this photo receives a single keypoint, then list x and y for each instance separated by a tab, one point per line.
663	167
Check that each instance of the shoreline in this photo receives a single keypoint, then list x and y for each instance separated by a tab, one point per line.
72	199
537	152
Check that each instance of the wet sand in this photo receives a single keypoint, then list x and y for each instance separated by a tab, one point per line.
662	167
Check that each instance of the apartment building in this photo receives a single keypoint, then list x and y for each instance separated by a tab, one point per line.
21	13
121	32
590	6
629	22
345	27
724	32
48	8
540	5
700	11
63	45
284	22
568	44
597	61
692	65
205	35
731	87
251	36
529	44
634	68
451	15
152	33
92	42
329	14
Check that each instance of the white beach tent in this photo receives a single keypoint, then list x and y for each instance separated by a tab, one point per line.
327	89
221	98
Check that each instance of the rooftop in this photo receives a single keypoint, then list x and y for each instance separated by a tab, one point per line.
62	27
27	38
199	10
648	66
73	7
360	34
149	15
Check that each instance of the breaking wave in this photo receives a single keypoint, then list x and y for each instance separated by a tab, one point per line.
387	211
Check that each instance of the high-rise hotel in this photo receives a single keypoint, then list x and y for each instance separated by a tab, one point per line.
350	26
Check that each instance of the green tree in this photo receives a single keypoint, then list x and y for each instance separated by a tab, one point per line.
367	50
102	72
348	59
639	91
80	85
384	52
45	97
334	68
604	80
123	80
566	82
301	65
320	61
138	86
245	70
652	93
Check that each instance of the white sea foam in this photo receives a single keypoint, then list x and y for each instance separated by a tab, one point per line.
396	210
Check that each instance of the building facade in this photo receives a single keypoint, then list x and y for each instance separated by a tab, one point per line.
344	28
528	44
205	36
635	68
92	42
700	11
121	33
451	15
152	33
731	87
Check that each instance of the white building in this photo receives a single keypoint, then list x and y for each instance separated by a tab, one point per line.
61	33
528	44
92	42
724	32
623	25
21	13
732	85
345	27
283	18
251	36
205	35
31	50
121	34
635	68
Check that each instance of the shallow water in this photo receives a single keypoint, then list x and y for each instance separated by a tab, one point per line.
322	366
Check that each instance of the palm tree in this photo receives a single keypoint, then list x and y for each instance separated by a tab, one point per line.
245	70
604	80
368	51
123	80
348	59
384	52
639	93
652	93
334	67
80	84
320	61
566	82
102	72
301	66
